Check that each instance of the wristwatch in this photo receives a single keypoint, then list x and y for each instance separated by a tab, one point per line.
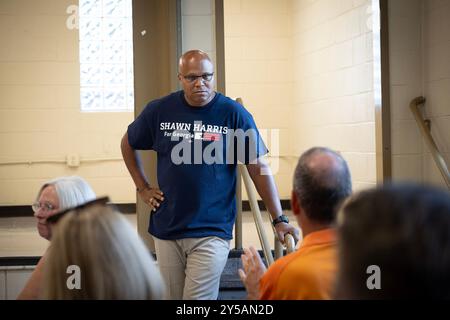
281	218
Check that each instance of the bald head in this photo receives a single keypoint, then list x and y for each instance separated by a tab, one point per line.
325	165
192	57
321	181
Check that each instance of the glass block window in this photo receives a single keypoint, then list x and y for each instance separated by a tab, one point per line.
106	55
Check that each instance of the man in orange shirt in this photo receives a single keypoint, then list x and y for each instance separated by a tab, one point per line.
321	182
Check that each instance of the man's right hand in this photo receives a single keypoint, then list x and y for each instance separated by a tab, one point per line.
152	196
252	272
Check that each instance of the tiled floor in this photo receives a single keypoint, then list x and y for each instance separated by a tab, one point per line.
19	237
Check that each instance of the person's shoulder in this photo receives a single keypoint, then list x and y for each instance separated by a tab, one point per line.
310	261
168	100
282	263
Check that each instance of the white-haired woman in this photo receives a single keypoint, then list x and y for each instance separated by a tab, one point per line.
105	256
55	195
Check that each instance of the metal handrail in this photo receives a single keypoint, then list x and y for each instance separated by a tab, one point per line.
256	214
288	239
289	242
424	126
238	223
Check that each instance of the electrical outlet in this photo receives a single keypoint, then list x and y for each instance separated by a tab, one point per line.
73	160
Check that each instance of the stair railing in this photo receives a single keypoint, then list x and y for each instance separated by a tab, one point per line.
425	129
257	217
251	192
256	214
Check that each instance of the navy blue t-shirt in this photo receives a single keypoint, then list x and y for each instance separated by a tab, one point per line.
197	151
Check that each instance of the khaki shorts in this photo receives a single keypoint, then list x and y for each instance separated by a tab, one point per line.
192	267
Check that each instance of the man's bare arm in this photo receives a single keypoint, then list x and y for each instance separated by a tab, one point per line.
151	196
132	161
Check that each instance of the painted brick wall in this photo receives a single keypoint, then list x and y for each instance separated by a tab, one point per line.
420	66
304	67
40	116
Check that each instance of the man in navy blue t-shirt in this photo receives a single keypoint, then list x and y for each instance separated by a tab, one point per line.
199	136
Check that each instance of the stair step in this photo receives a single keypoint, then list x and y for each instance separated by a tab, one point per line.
230	277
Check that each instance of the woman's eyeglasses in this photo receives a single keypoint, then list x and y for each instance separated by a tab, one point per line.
47	207
99	201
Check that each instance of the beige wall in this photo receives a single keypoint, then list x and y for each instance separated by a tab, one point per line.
198	30
333	91
40	116
258	55
436	78
406	83
420	66
305	68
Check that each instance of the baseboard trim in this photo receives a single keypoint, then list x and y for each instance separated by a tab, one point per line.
26	211
127	208
285	205
19	261
33	260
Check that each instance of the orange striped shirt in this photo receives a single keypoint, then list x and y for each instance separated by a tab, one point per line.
308	273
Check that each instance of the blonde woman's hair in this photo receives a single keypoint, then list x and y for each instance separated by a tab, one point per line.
113	260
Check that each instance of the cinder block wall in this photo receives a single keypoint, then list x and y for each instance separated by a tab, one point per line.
40	116
306	69
420	66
